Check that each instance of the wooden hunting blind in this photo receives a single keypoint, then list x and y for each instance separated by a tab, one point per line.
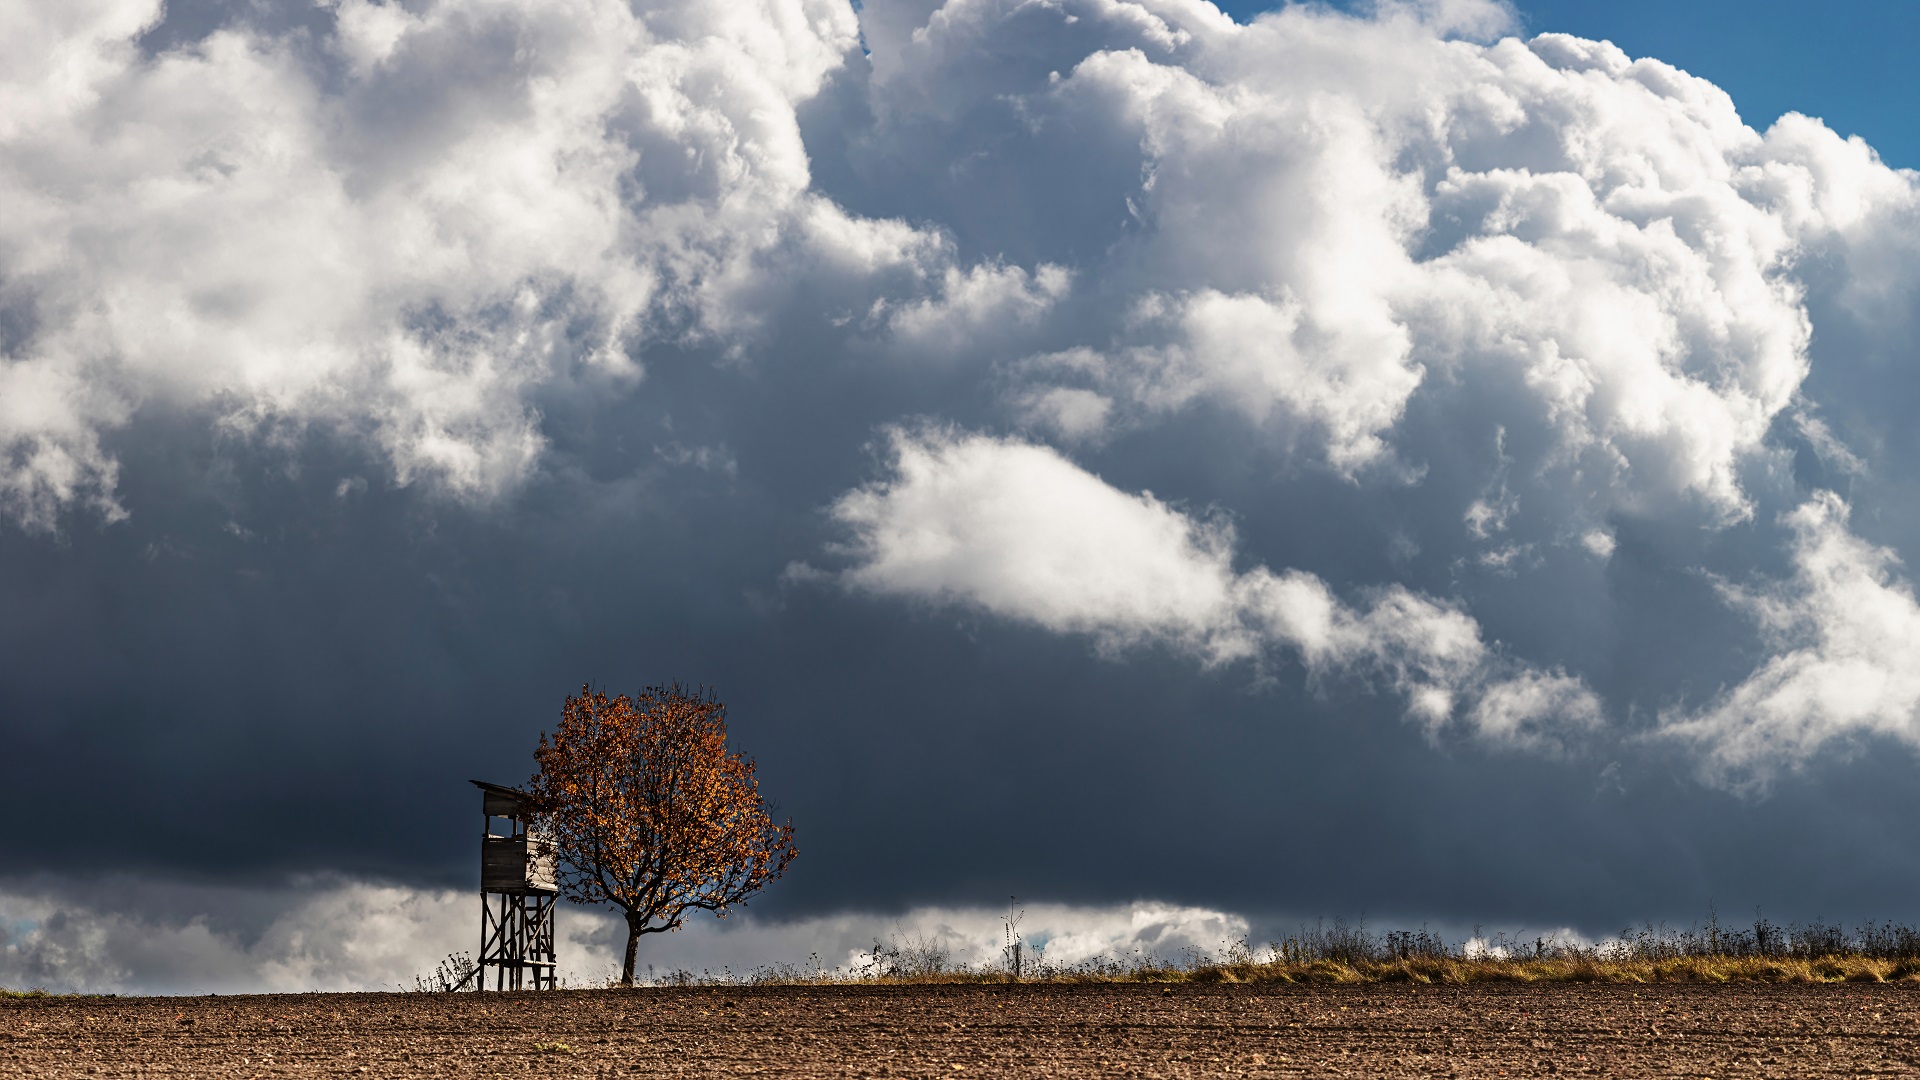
518	884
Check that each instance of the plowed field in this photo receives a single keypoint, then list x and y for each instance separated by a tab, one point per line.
1747	1029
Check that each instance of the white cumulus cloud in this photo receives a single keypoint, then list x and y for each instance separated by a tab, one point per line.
1332	217
1018	530
1372	238
1363	242
1844	633
407	236
344	934
320	935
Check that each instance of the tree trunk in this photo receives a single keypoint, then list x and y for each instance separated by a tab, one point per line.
634	922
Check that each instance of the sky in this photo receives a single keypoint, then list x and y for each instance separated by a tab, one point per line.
1838	62
1440	462
1834	61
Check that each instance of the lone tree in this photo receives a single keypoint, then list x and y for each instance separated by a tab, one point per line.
650	812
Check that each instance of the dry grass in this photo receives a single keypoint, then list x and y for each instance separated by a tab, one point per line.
1459	971
1344	953
1446	970
1423	970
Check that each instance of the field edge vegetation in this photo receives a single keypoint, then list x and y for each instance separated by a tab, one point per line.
1350	953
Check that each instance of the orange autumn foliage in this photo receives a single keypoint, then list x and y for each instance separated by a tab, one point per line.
651	814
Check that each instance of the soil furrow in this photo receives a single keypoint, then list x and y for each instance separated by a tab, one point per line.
1493	1030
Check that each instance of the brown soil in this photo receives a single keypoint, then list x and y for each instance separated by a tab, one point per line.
1740	1029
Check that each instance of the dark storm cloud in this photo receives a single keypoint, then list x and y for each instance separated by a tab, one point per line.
524	427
